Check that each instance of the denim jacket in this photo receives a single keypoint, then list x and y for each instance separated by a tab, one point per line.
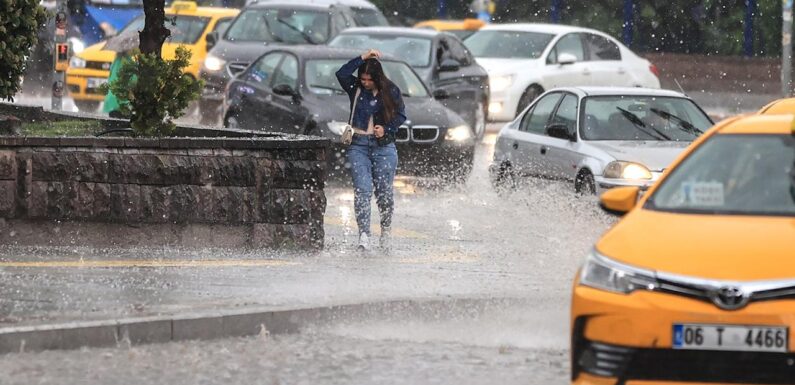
368	104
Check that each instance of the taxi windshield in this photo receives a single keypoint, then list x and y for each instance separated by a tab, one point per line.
321	78
733	174
184	29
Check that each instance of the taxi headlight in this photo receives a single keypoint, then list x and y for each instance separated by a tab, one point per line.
336	127
213	63
500	83
458	133
76	62
626	170
603	273
77	45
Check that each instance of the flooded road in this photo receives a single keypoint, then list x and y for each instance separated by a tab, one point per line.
519	249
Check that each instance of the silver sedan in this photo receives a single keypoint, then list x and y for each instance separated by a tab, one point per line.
598	137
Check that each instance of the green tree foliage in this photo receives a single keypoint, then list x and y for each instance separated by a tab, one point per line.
20	22
684	26
153	91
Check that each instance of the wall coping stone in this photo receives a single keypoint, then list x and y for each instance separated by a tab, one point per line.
275	141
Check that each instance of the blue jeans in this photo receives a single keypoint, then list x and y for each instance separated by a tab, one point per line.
372	167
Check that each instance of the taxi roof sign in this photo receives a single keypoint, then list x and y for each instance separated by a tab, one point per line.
181	5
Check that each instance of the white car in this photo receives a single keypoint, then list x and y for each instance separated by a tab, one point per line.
524	60
598	137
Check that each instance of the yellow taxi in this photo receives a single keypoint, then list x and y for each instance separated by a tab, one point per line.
696	283
90	69
460	28
780	106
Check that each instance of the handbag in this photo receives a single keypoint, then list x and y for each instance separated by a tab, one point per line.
347	132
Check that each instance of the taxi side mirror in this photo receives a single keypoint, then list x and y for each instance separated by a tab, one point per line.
619	200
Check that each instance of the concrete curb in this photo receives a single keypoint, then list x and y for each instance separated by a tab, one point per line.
219	324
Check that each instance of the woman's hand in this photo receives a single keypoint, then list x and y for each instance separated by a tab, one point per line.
378	130
371	54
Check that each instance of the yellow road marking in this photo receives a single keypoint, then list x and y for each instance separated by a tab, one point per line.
150	263
396	231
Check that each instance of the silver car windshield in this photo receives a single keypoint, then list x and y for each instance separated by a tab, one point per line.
508	44
321	78
733	174
631	117
414	50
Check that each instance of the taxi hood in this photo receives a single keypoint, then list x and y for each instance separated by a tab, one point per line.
722	247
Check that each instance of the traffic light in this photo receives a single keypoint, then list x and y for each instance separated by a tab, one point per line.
61	56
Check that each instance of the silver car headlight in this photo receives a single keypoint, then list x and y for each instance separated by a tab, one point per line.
458	133
500	83
627	170
213	63
336	127
603	273
76	62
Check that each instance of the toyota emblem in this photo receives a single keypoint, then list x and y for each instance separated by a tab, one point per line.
730	298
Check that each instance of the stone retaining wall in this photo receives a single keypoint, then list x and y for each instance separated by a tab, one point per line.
230	192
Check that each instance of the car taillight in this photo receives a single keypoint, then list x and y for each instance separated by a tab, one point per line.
654	70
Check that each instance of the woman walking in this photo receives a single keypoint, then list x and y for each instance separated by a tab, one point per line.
377	111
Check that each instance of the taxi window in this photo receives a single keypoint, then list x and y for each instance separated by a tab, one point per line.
185	29
733	174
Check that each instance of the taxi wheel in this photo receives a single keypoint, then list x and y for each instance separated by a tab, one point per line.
530	94
585	184
87	105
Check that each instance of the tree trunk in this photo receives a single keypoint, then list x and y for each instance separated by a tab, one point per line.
155	32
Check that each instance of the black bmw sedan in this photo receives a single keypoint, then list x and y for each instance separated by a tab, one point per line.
293	89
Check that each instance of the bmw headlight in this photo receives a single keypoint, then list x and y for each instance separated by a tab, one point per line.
603	273
500	83
626	170
458	133
76	62
336	127
213	63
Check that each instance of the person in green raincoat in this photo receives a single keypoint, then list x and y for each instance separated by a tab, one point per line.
112	105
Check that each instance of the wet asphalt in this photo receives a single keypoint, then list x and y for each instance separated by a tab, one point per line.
516	249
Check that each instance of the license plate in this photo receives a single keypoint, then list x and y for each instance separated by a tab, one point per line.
731	337
96	82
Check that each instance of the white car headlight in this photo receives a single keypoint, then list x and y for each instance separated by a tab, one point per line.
500	83
626	170
213	63
336	127
76	62
458	133
603	273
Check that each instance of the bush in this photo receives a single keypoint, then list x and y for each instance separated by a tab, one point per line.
152	91
19	26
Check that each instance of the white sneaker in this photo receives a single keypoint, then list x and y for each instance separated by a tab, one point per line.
364	242
386	238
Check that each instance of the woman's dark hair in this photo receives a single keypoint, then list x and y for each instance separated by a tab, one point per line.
384	86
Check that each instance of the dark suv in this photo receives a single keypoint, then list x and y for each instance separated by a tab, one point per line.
278	22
